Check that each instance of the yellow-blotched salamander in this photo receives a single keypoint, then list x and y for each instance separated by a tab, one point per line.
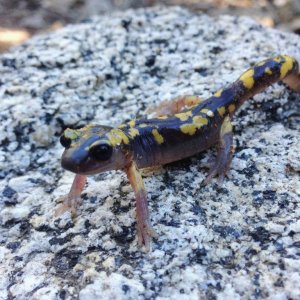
187	126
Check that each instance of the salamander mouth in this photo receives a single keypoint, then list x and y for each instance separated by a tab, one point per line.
82	164
69	165
82	169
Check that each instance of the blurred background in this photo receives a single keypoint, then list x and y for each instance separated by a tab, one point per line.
20	19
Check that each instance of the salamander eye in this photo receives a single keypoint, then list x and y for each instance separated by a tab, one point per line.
65	142
101	152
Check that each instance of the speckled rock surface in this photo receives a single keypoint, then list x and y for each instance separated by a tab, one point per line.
240	240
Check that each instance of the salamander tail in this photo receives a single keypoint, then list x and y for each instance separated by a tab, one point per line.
280	68
265	73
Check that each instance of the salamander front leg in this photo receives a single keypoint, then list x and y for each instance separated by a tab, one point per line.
73	199
225	152
174	106
144	229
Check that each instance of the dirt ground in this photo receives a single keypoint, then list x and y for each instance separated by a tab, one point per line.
20	19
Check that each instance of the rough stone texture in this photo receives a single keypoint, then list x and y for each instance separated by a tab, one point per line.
240	240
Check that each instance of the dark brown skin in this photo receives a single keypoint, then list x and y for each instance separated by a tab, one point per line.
181	128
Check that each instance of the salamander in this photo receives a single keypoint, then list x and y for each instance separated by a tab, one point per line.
181	128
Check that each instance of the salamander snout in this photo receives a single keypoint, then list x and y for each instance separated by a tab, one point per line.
74	159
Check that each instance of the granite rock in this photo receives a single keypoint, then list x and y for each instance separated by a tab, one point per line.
240	240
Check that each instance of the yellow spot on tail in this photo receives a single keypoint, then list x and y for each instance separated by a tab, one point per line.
231	108
184	116
117	136
157	136
188	129
122	126
221	111
133	132
131	123
278	59
208	112
247	79
286	66
218	93
268	71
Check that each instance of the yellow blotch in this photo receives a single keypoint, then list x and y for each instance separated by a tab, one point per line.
133	132
93	145
162	117
268	71
278	59
131	123
204	110
247	79
117	136
184	116
200	121
97	143
231	108
261	63
188	129
221	111
157	136
71	134
122	126
86	135
86	127
286	66
143	125
218	93
226	126
208	112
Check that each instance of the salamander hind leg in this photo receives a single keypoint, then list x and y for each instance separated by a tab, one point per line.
225	151
144	229
293	81
73	199
174	106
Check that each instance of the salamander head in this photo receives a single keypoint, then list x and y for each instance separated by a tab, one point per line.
91	150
